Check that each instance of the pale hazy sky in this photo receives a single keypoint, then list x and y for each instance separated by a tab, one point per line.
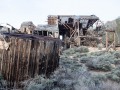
15	12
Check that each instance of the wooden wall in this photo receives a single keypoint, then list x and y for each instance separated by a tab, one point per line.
29	56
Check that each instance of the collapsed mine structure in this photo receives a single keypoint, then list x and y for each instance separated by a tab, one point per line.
34	50
72	28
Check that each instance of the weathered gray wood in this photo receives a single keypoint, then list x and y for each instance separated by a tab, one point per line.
29	56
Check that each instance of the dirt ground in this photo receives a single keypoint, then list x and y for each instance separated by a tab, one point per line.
95	49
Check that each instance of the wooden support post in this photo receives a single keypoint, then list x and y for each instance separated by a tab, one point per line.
114	42
78	34
78	39
42	32
47	33
106	39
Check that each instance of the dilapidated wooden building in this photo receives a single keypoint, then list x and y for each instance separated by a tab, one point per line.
72	28
27	27
28	56
47	30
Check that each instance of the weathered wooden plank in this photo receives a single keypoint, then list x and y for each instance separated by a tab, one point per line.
29	56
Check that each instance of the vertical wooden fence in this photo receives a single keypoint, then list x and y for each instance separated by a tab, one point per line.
29	56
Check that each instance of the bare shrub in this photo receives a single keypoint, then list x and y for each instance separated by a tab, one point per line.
82	49
102	62
86	59
114	75
116	54
73	74
3	83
